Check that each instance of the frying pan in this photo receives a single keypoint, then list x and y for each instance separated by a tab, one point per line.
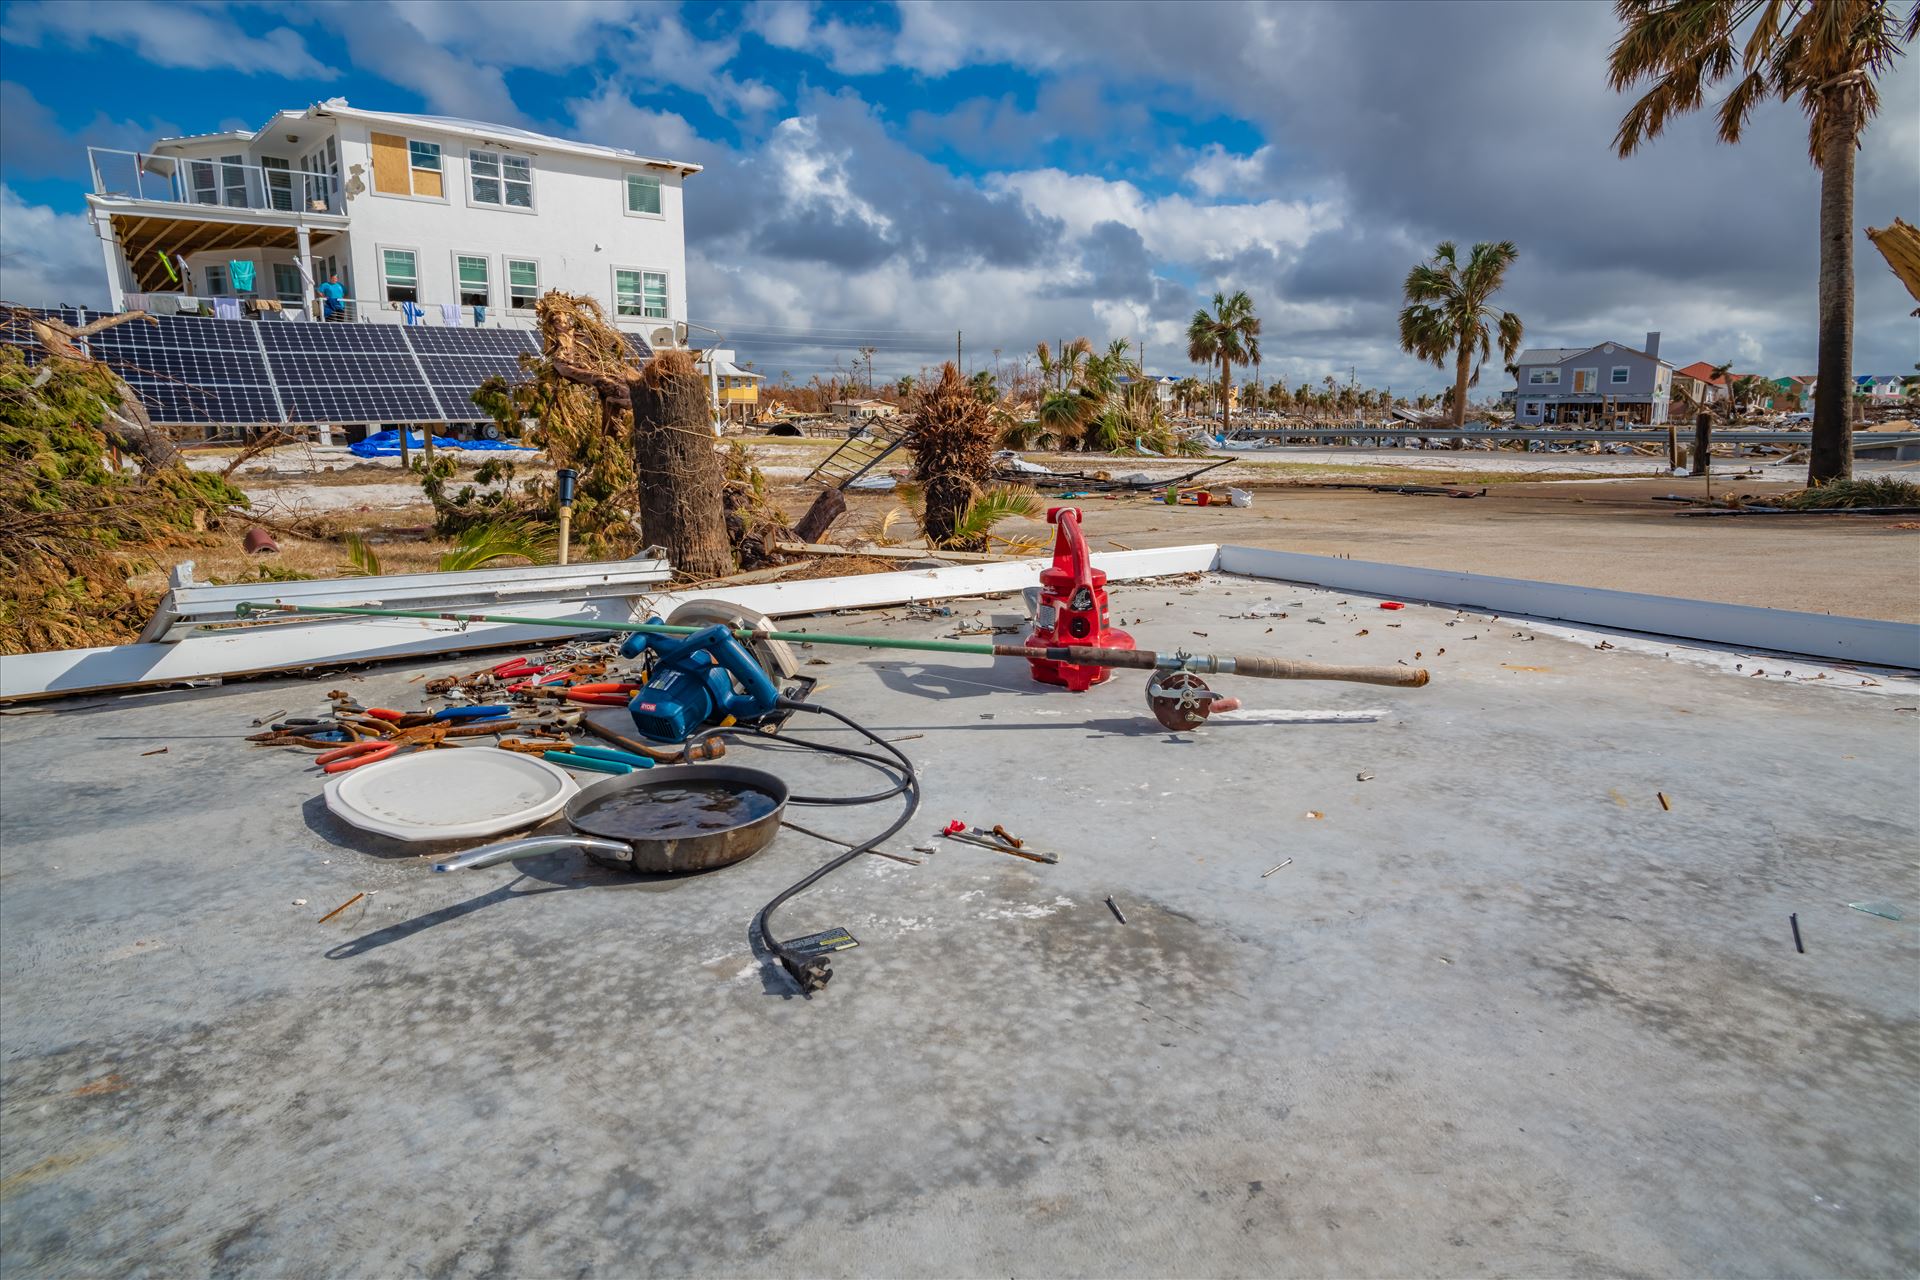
647	855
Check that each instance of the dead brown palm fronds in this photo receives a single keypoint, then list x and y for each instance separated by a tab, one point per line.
952	440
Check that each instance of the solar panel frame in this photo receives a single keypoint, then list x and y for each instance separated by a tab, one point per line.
456	361
203	371
192	371
340	373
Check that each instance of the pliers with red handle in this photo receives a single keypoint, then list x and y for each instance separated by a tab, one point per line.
610	693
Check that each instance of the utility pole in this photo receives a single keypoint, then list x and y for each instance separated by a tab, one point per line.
956	352
868	353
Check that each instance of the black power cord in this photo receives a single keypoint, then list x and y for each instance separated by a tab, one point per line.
812	973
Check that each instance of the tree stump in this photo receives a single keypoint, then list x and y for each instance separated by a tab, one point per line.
680	477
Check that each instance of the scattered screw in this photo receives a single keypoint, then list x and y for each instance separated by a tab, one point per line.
1264	874
1794	920
1115	908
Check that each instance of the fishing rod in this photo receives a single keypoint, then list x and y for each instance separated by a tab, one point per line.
1259	667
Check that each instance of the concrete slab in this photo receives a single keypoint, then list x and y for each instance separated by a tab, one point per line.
1502	1012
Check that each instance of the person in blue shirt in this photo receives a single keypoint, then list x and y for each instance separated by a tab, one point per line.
333	298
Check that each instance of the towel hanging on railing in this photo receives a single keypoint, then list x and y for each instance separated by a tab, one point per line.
226	308
450	314
412	312
479	316
241	270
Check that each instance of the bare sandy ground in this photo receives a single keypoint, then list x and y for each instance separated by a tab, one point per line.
1595	524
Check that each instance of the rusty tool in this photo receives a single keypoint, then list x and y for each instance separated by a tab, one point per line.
957	830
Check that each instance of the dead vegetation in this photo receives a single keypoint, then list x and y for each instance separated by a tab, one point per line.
75	525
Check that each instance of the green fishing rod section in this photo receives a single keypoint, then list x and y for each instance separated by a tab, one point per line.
1258	666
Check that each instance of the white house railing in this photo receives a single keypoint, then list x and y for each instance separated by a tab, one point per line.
135	175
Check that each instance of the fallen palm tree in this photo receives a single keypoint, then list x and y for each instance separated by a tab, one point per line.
75	527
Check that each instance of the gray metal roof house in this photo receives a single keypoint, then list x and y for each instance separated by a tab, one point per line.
1602	383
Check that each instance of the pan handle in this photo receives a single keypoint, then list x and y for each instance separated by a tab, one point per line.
533	847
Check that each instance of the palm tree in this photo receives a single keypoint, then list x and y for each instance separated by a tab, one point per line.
1064	368
1231	335
1449	312
1826	54
985	387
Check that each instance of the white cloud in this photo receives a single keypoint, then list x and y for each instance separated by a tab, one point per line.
48	258
165	35
612	118
794	25
1173	227
552	35
1218	172
814	172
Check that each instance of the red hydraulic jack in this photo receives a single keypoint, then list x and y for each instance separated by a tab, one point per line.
1073	607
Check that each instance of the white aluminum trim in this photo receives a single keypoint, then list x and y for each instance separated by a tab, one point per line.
293	646
820	595
202	603
1819	635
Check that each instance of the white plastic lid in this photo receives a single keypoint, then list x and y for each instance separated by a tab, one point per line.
450	794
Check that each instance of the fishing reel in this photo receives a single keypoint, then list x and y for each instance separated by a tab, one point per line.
1181	701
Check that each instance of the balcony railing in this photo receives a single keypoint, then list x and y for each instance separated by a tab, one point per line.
134	175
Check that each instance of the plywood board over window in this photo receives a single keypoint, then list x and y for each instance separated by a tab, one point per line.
390	165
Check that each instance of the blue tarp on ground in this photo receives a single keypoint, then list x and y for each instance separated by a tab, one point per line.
386	444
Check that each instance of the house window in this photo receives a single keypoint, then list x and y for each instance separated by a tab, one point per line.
279	176
201	177
423	164
400	273
1586	381
1543	378
523	283
403	167
643	194
640	294
472	274
1620	375
233	181
215	276
1530	409
499	178
287	285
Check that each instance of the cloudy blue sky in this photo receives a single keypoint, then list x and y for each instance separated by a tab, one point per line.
884	175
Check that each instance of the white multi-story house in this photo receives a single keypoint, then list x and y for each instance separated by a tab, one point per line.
467	220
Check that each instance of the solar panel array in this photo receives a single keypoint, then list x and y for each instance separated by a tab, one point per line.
189	371
201	371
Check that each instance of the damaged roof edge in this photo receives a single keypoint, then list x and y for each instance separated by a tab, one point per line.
283	647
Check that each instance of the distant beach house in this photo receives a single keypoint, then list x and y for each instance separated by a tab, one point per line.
861	410
1163	384
1699	384
1792	394
1592	384
1879	387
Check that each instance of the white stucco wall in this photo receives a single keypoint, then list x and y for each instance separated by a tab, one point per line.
578	230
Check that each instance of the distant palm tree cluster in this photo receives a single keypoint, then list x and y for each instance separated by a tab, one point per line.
1095	400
